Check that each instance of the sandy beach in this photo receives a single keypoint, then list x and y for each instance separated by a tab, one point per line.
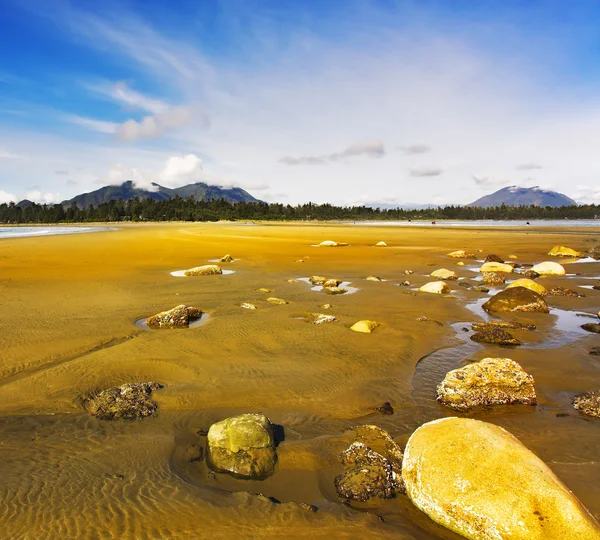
68	310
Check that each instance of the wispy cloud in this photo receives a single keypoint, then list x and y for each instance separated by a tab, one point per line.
153	126
487	180
416	149
121	93
372	149
61	172
5	154
100	126
530	166
425	171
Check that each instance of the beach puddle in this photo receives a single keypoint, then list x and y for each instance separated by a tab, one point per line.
141	323
181	273
342	285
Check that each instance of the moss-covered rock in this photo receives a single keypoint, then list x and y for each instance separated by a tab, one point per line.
588	403
517	299
495	335
179	317
493	278
206	270
128	402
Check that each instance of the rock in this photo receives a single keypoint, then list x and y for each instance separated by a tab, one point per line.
465	284
263	290
517	299
293	281
206	270
373	278
366	327
226	258
386	408
442	273
331	243
331	283
242	445
492	381
595	351
512	257
247	305
481	482
594	253
493	258
596	287
308	507
373	466
496	267
481	288
318	318
591	327
279	301
381	244
326	306
549	268
461	254
529	274
435	287
405	284
128	402
529	284
492	278
300	261
502	324
588	403
408	272
562	291
178	317
562	251
494	335
460	263
335	290
317	280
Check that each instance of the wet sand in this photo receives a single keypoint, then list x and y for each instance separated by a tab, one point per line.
69	305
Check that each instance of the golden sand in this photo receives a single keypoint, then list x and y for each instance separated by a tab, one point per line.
67	318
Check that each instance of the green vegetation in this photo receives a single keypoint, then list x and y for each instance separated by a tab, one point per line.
178	209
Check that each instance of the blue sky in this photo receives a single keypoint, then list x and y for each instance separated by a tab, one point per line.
334	100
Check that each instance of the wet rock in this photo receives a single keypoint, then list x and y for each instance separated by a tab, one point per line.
461	254
386	408
318	318
335	290
326	306
495	335
492	278
549	268
465	284
373	278
502	324
365	326
595	351
563	251
247	305
588	403
493	258
496	267
481	482
435	287
594	253
481	288
308	507
242	445
206	270
381	244
263	290
529	274
443	273
329	283
293	281
591	327
332	243
562	291
405	284
179	317
529	284
492	381
226	258
460	263
517	299
128	402
277	301
408	272
317	280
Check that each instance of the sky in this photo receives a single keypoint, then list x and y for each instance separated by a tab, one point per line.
340	101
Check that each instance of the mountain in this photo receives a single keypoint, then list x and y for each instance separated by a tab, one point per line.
25	203
128	191
518	196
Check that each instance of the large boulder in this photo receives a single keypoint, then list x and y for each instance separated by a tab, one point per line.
206	270
496	267
435	287
549	268
443	273
365	327
529	284
178	317
563	251
588	403
492	381
517	299
494	335
461	254
481	482
128	402
243	446
373	464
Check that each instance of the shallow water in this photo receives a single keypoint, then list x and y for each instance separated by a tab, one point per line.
24	232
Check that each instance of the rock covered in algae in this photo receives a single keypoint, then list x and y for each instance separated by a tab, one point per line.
549	268
366	327
373	464
517	299
529	284
179	317
478	326
563	291
206	270
588	403
492	257
435	287
481	482
563	251
242	445
493	278
226	258
461	254
496	267
443	273
492	381
128	402
494	335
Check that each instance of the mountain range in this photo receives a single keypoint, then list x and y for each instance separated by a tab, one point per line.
518	196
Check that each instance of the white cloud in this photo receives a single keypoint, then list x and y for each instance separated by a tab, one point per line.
416	149
121	93
153	126
587	194
372	149
40	197
100	126
6	197
181	170
5	154
425	171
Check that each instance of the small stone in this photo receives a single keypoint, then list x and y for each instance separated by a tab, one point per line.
365	326
226	258
481	288
588	403
435	287
493	258
335	290
247	305
494	335
329	283
461	254
492	278
408	272
529	274
278	301
308	507
293	281
595	351
405	284
318	318
465	284
326	306
317	280
460	263
373	278
263	290
562	291
381	244
386	408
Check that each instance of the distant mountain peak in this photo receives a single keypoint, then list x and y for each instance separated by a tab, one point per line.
522	196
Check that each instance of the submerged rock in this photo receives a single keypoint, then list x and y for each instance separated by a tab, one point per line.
242	445
481	482
492	381
517	299
435	287
381	244
465	284
494	335
318	318
206	270
502	324
226	258
496	267
461	254
179	317
563	251
529	274
562	291
373	278
443	273
591	327
588	403
493	258
278	301
128	402
247	305
365	326
492	278
529	284
549	268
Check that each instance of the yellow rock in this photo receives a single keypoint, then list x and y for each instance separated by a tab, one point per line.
529	284
381	244
435	287
496	267
460	263
332	243
512	257
549	268
480	481
263	290
247	305
442	273
461	254
366	327
563	251
206	270
274	300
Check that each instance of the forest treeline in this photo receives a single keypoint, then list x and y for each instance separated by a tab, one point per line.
178	209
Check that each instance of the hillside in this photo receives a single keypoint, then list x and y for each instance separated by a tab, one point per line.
518	196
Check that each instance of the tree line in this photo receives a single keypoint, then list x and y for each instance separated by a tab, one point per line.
178	209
